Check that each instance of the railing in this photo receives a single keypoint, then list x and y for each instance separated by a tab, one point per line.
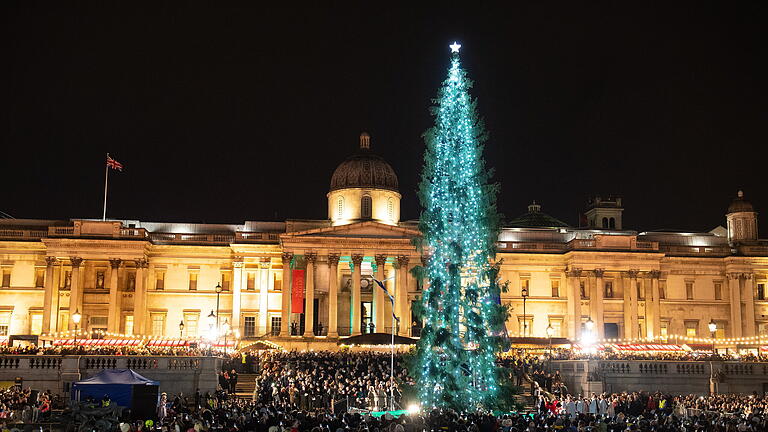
133	232
759	250
695	250
577	244
530	246
18	234
258	237
182	238
61	231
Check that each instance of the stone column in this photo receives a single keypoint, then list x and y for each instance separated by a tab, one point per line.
58	273
50	262
285	312
597	300
264	266
113	321
401	295
378	294
75	291
237	289
354	307
748	295
654	323
140	299
309	296
633	319
333	295
574	304
735	300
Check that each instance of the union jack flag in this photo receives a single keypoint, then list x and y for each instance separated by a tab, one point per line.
114	164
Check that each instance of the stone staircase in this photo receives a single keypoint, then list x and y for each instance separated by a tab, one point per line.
245	385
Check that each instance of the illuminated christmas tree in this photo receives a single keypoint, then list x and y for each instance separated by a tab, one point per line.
463	318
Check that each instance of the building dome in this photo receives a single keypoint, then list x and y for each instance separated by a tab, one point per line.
364	170
535	219
739	204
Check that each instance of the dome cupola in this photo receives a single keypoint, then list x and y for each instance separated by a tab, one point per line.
364	187
742	220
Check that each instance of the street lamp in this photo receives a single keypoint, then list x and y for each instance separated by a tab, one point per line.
76	317
550	331
524	295
712	329
181	329
218	292
211	322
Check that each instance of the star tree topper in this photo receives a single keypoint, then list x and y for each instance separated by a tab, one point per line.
455	47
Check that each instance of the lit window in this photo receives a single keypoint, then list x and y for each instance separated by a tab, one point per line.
525	285
275	322
193	281
249	329
251	285
5	323
35	323
691	328
128	324
225	279
555	288
40	278
664	330
557	327
190	323
158	324
365	207
159	281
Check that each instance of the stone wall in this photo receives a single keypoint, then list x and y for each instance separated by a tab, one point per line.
678	377
57	373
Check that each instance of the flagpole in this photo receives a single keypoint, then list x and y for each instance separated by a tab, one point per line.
106	181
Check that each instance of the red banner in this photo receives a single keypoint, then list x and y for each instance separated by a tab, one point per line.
297	293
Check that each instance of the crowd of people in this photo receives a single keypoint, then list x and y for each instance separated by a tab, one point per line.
25	405
138	350
615	354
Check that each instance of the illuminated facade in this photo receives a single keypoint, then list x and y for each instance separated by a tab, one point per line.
131	277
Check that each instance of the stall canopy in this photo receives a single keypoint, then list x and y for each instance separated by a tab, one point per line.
98	342
123	386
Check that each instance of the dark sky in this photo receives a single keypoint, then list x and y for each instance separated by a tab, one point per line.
232	114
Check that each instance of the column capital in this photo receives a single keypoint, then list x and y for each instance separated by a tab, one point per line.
76	261
746	276
265	262
734	275
310	257
287	257
50	261
599	273
573	272
115	263
333	259
402	260
632	273
654	274
357	259
238	264
380	259
141	263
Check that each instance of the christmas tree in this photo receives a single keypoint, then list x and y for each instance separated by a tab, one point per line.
462	315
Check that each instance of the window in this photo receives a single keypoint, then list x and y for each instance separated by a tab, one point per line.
40	278
340	207
5	323
664	330
249	329
251	281
525	285
391	209
277	282
63	321
761	291
159	280
131	282
193	281
662	289
158	324
583	289
68	279
612	223
720	330
35	323
640	291
128	324
525	324
191	320
689	290
605	222
365	207
608	285
98	321
555	288
100	279
226	278
692	328
7	278
275	325
98	324
557	326
718	290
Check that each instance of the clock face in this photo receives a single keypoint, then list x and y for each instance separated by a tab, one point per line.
364	283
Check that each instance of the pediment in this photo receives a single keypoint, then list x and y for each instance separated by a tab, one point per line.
367	229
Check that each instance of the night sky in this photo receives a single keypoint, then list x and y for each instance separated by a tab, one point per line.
222	115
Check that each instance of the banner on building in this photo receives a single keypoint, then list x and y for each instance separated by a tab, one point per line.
297	292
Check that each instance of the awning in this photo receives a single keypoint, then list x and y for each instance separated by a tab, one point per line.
168	343
648	347
97	342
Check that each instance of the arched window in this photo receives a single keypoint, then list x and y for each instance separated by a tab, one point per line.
612	223
340	207
605	222
365	207
391	209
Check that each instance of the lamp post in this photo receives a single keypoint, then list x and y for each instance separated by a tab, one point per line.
76	317
712	329
181	329
218	292
550	332
524	295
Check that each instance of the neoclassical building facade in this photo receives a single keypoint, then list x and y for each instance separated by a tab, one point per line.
312	280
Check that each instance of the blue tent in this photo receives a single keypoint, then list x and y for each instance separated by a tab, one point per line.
123	386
